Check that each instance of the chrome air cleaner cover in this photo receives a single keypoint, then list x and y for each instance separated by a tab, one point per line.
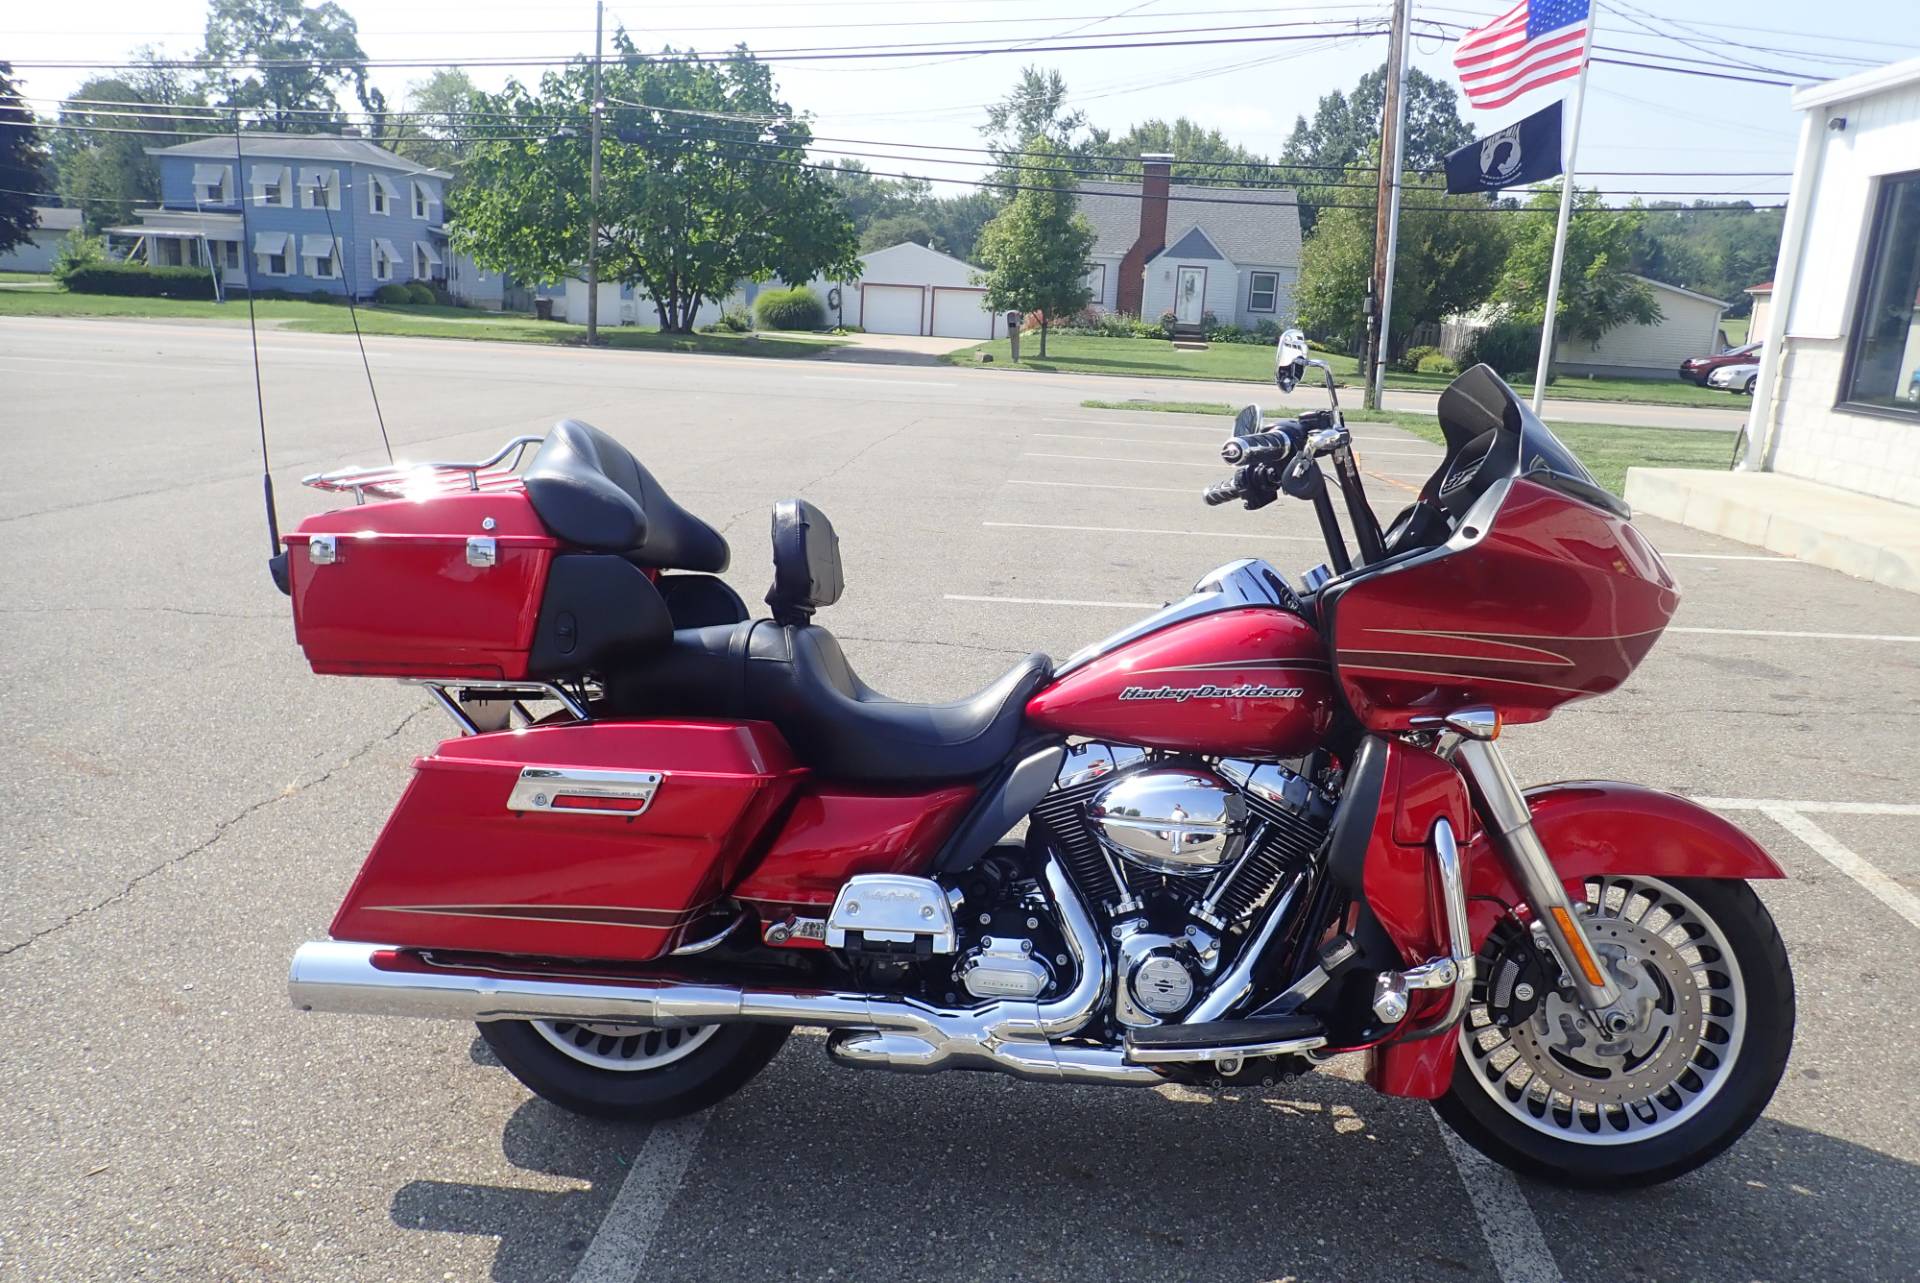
1170	819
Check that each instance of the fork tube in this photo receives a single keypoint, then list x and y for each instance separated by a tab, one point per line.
1505	810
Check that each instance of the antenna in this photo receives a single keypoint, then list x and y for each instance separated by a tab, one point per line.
321	197
276	559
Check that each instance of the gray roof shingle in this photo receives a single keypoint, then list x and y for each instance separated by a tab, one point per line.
1260	225
298	147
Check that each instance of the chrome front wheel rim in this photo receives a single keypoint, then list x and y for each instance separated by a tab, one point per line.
1557	1074
624	1049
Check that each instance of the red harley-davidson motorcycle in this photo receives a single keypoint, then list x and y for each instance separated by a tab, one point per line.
1264	826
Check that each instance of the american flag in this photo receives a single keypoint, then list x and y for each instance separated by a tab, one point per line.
1534	43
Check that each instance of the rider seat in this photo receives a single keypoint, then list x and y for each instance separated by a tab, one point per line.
793	673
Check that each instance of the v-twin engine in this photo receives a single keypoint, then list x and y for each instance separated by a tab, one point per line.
1180	855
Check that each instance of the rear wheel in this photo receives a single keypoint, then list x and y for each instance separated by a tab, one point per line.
1539	1088
635	1073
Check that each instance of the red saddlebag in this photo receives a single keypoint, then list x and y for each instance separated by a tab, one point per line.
583	840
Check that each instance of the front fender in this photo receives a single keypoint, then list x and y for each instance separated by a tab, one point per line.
1589	827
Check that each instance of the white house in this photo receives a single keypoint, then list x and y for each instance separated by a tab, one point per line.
910	289
1838	399
1164	247
1689	325
35	254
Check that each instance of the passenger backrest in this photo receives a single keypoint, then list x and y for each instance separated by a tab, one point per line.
806	562
590	491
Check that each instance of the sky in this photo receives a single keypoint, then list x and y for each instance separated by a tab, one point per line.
1636	120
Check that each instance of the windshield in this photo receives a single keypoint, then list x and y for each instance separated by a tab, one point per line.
1480	402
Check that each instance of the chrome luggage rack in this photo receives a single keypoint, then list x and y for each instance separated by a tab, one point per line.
428	480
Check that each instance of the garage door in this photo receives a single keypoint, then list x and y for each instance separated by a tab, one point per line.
890	309
957	314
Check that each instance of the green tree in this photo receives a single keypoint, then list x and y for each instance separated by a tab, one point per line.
288	62
1035	250
690	204
438	135
868	198
1345	131
24	166
1598	290
105	174
1714	247
1199	154
895	228
1448	260
957	221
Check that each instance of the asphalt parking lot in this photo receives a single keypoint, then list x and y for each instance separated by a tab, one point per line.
186	804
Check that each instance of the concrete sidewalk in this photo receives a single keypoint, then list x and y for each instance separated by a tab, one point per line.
1873	539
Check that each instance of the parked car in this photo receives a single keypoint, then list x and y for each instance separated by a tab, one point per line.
1698	369
1736	378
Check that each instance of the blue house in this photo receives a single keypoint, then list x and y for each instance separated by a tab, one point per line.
323	214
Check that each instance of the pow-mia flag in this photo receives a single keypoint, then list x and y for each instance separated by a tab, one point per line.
1526	151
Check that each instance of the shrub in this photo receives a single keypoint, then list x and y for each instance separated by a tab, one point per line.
393	295
733	320
418	293
1167	322
1267	331
1508	346
797	308
1436	363
78	251
1411	358
137	281
1316	345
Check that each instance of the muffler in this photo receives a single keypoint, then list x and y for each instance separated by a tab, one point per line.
884	1030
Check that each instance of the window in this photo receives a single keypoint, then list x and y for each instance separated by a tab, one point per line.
210	184
1097	282
1263	289
230	254
1883	353
425	259
382	263
273	264
379	195
319	188
422	198
273	185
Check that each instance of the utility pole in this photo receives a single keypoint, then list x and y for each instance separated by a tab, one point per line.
593	191
1386	224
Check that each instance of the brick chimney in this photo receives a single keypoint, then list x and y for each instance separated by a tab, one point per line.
1156	170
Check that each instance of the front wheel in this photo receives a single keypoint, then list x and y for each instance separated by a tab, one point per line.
634	1073
1538	1087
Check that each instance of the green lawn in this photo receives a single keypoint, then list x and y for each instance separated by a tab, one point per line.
1253	363
418	322
1607	449
25	278
1735	328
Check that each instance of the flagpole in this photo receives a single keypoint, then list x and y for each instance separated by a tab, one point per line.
1566	215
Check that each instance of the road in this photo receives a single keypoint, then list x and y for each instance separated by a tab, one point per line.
187	803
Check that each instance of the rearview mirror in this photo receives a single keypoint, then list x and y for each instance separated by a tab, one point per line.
1247	422
1289	359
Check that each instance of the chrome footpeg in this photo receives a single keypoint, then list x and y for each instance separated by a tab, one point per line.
1224	1040
892	913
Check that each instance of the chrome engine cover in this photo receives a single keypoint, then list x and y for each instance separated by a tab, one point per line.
1179	819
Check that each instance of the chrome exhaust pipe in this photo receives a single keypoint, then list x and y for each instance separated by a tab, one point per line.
882	1030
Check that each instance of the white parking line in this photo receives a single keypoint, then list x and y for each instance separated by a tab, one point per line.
1829	848
1058	601
1140	530
1115	458
1721	556
1779	632
619	1249
1811	808
1514	1239
1095	485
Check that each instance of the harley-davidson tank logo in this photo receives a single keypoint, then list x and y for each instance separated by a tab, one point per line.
1181	694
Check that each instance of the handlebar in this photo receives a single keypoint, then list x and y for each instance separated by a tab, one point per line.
1268	447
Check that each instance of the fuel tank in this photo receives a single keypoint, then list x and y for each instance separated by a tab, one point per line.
1253	682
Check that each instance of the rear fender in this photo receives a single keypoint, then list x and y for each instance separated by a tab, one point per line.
1589	827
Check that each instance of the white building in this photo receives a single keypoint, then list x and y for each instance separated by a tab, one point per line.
1689	325
907	289
1838	399
36	253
